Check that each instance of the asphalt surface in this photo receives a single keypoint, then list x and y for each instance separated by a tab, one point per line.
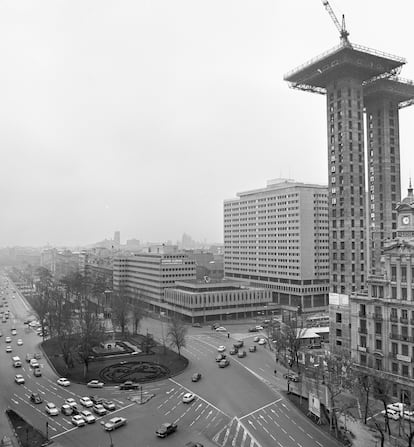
239	406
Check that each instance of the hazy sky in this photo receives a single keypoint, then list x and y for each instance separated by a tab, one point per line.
144	115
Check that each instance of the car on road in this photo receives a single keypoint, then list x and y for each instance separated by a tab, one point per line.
220	357
71	401
238	344
51	409
95	384
221	329
18	378
221	348
252	329
66	409
78	420
262	341
129	385
392	414
188	397
259	328
63	381
196	325
114	423
196	377
233	351
109	405
37	355
241	354
96	399
252	348
292	377
256	339
34	363
166	429
223	363
100	410
34	323
36	398
9	349
13	332
37	372
194	444
86	402
29	357
88	416
8	340
19	342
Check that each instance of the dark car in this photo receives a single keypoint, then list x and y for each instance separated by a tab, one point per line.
220	357
194	444
129	385
253	329
241	354
196	325
234	351
196	377
96	400
291	377
37	372
214	326
252	348
109	405
36	398
166	429
223	363
238	344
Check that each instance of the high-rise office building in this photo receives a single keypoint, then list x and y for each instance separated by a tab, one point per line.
355	78
277	237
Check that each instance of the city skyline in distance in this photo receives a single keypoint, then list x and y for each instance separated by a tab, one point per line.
95	139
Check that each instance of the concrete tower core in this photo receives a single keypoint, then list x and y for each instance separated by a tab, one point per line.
342	74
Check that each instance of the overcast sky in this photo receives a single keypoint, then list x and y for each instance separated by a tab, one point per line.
144	115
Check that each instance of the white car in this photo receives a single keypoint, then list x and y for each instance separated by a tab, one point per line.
78	421
262	341
95	384
221	348
51	409
9	349
392	414
188	397
221	329
19	342
100	410
71	402
88	416
259	328
256	339
34	363
86	402
63	381
34	324
8	340
114	423
18	378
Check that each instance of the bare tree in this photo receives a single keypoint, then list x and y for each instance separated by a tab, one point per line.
176	334
137	314
120	311
381	388
363	389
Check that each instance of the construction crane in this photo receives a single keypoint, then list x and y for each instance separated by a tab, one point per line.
341	28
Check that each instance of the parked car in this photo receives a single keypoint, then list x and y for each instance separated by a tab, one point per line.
19	379
63	382
95	384
51	409
129	385
223	363
114	423
196	377
19	342
291	377
188	398
109	405
96	400
86	402
34	363
100	410
71	401
37	372
196	325
36	398
37	355
166	429
252	348
66	409
8	340
88	416
78	420
252	329
241	354
9	349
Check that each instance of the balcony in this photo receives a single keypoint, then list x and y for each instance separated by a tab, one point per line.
362	314
362	330
402	337
403	320
394	318
377	317
394	336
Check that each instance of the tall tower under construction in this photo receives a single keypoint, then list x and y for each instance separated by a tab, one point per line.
358	80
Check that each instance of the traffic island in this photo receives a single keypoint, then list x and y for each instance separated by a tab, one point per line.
26	434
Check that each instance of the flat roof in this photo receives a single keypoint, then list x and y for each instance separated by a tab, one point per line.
400	89
341	61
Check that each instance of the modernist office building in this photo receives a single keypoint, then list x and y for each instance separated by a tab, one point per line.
277	237
144	276
382	320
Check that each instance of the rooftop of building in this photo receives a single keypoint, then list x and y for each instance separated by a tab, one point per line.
399	89
199	286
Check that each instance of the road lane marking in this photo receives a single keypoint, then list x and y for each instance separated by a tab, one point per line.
261	408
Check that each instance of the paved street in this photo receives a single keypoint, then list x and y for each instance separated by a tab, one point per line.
240	405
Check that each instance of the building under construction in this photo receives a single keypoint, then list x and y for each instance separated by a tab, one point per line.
358	80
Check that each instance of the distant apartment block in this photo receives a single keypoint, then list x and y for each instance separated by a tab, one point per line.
277	238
